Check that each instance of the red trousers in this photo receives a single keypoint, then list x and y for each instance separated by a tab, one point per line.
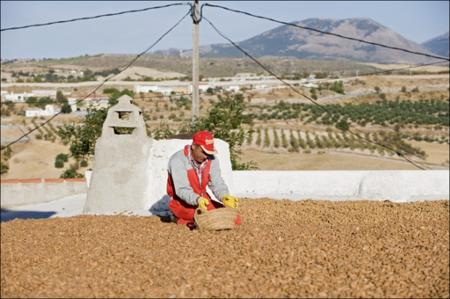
185	212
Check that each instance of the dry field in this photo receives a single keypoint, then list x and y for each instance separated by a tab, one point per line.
138	73
428	68
35	160
283	249
325	161
336	159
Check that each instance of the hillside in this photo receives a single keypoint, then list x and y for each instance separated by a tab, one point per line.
438	45
209	67
290	41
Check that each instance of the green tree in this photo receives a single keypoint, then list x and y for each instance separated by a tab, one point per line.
250	136
313	93
82	138
343	125
62	157
266	137
301	142
338	87
258	136
225	120
114	94
284	141
60	98
293	141
65	108
3	168
276	138
162	131
59	163
70	174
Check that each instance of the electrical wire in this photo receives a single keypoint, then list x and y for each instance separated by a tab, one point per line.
309	98
104	81
93	17
326	32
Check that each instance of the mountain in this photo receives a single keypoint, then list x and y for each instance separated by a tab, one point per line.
287	40
438	45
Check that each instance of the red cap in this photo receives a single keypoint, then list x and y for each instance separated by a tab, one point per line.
206	140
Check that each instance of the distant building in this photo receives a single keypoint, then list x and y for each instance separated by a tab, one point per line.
49	111
233	88
44	93
310	82
201	88
311	85
153	88
244	76
259	86
73	104
98	103
17	97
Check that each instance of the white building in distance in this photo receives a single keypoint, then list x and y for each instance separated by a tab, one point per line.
17	97
233	88
44	93
153	88
36	112
201	88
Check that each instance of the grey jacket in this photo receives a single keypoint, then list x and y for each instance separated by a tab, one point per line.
179	164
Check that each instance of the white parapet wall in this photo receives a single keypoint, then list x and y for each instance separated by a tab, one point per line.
393	185
17	192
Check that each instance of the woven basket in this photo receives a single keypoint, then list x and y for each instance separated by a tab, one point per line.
217	219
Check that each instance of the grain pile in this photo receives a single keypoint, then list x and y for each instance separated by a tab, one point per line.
283	249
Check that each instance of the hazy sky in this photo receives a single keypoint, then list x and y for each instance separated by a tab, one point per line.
132	33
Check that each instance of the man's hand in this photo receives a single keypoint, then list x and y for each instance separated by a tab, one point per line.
202	203
230	201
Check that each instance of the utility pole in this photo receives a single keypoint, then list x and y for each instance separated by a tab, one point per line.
195	59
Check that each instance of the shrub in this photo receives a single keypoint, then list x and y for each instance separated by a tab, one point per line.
293	141
266	137
70	174
258	137
59	164
3	168
343	125
62	157
276	139
284	141
250	136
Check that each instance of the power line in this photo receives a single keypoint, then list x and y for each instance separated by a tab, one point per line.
309	98
326	32
93	17
104	81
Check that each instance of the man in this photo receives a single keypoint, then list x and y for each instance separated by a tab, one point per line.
190	171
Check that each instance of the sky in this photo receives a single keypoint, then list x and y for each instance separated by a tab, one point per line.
418	21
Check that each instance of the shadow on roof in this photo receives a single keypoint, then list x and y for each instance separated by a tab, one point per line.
7	215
